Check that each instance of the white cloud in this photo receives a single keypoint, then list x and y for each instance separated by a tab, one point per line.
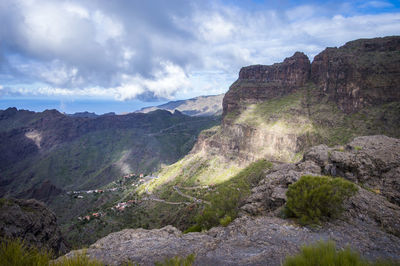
106	27
129	49
164	84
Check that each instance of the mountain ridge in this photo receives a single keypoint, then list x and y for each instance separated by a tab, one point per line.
209	105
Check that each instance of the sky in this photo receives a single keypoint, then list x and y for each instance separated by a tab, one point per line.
118	56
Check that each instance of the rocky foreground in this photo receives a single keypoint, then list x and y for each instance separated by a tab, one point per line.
33	222
370	223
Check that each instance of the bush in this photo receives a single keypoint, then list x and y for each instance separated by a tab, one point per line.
225	221
178	261
314	198
16	252
324	253
194	228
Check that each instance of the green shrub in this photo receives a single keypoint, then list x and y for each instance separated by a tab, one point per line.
178	261
16	252
194	228
314	198
225	221
324	253
228	197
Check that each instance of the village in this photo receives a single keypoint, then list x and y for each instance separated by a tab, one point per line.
133	181
121	184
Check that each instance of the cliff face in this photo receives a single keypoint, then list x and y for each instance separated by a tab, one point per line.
361	73
290	106
259	83
31	221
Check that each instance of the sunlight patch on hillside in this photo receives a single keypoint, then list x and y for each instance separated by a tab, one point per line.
35	136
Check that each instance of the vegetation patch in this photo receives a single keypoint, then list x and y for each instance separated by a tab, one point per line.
228	197
177	261
315	198
16	252
325	253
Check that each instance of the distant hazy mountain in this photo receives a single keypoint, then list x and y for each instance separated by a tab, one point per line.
89	115
198	106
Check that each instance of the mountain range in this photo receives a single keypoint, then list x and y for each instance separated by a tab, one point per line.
225	182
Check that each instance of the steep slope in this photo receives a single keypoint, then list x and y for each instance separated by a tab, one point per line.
369	224
198	106
278	111
77	152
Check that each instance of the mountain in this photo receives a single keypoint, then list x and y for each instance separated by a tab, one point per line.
44	153
198	106
370	224
338	115
272	115
276	112
89	115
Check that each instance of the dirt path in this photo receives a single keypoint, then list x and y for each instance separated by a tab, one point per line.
167	202
190	197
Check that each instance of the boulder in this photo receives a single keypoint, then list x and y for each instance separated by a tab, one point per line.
31	221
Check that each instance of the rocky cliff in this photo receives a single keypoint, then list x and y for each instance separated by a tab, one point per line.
287	107
370	223
277	112
31	221
361	73
259	83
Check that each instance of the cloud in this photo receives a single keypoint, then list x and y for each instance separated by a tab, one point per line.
164	84
165	49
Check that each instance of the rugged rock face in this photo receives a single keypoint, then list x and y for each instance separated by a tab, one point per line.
360	73
259	83
373	161
360	79
370	223
370	161
32	221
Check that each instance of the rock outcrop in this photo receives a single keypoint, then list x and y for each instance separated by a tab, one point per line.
370	161
31	221
259	83
361	73
369	224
